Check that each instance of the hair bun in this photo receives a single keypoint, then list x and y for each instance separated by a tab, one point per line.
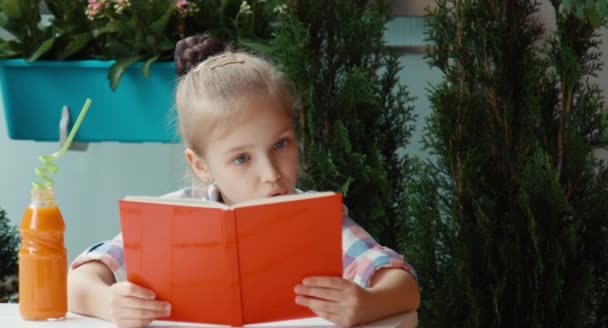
193	50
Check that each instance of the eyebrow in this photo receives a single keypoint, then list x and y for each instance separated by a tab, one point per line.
236	149
243	147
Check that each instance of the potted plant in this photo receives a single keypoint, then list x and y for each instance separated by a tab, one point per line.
129	44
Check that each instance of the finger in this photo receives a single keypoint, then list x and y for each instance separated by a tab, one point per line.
138	303
325	282
319	292
140	314
318	305
130	289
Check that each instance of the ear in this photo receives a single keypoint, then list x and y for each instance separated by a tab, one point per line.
198	165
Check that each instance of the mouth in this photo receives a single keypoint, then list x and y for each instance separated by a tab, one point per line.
276	193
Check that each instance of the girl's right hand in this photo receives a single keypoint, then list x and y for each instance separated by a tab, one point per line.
134	306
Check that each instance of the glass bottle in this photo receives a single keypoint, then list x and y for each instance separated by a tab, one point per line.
42	259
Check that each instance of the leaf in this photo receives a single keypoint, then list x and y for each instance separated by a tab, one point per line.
46	45
594	17
115	49
146	68
166	45
3	19
132	24
119	68
580	12
257	45
6	51
230	8
567	5
113	26
12	8
602	7
160	25
76	44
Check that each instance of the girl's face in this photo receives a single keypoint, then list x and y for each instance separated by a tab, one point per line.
256	156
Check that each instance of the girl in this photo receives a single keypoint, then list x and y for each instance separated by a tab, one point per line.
235	114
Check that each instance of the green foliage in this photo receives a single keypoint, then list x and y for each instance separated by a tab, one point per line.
9	242
429	242
21	18
510	226
595	11
354	115
129	31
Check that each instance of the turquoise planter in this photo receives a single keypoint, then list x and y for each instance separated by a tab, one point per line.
140	110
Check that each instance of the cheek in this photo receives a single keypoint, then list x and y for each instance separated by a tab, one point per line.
290	161
225	174
231	174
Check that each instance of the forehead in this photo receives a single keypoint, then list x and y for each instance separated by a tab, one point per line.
257	119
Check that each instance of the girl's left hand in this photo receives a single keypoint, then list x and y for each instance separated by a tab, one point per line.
335	299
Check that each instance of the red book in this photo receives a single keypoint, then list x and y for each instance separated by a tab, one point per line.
232	265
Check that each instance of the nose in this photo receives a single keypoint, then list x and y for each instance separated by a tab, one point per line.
269	172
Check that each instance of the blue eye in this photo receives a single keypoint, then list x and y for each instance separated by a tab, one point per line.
241	159
281	144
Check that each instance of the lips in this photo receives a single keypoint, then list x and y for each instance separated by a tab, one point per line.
276	192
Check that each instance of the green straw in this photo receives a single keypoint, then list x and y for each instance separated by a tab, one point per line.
50	167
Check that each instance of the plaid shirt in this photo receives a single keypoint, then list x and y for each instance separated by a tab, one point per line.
362	255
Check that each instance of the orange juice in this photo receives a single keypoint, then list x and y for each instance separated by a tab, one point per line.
42	260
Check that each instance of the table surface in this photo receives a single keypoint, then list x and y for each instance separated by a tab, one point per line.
9	317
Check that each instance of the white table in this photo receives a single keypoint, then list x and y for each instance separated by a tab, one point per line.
9	318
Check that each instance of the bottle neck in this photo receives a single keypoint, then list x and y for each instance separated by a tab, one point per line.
42	197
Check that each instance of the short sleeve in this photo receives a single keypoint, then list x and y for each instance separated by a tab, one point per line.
110	253
363	256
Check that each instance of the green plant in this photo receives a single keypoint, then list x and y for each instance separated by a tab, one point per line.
509	219
20	19
355	116
128	31
594	10
9	242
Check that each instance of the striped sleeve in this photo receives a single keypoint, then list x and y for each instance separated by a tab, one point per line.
110	253
363	256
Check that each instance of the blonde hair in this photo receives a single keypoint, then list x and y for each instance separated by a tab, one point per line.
210	93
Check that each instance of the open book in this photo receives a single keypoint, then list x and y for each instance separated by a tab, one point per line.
235	264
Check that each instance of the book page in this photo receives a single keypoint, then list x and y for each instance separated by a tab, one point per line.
282	243
177	201
187	255
285	198
212	204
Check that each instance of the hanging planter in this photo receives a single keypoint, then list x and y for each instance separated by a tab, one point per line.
34	94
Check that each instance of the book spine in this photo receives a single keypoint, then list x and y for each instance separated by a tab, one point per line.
232	254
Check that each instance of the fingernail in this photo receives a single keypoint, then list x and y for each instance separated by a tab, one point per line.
152	296
298	288
168	308
299	300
